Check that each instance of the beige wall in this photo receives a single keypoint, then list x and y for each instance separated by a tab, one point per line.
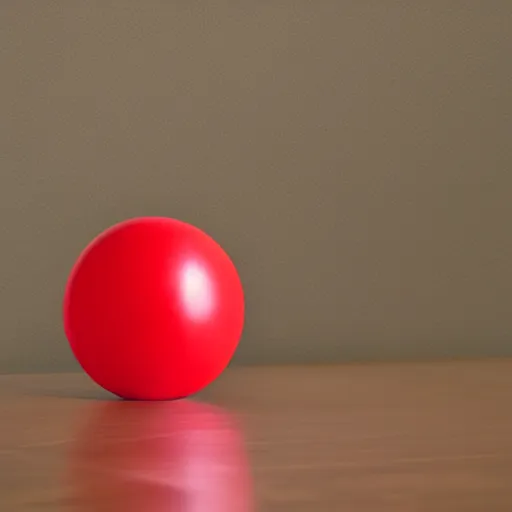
354	157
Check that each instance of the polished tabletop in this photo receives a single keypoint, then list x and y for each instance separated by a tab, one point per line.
376	437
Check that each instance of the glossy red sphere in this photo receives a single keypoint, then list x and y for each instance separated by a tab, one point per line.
153	309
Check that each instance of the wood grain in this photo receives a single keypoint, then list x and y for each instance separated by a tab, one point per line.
378	437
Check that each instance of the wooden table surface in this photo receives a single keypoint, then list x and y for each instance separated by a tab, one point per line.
379	437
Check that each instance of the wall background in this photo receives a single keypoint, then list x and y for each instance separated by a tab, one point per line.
353	157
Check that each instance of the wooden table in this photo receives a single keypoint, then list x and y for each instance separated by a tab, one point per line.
378	437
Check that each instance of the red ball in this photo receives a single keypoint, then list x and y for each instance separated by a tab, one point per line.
153	309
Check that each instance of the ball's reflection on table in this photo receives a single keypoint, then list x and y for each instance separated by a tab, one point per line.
166	456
